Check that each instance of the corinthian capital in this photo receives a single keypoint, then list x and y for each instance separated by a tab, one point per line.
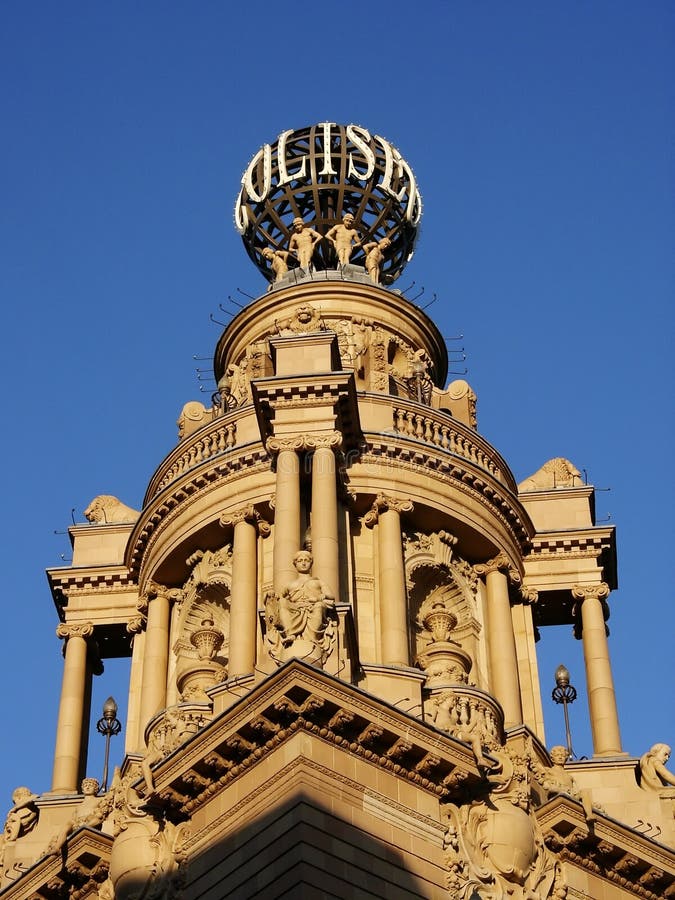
247	513
590	591
299	442
498	563
529	594
383	503
68	630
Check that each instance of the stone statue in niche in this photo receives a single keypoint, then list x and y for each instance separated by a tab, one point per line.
278	260
344	238
299	622
302	242
106	510
375	256
91	812
556	473
653	773
557	780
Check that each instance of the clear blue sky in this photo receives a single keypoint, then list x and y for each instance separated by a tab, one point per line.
541	135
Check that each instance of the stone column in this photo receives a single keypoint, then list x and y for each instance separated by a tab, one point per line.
325	517
156	656
501	640
599	682
70	725
244	598
286	512
393	599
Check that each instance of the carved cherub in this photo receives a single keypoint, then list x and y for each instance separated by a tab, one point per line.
278	261
344	238
302	242
375	256
653	773
91	812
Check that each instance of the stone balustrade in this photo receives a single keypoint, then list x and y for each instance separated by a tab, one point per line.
211	440
437	428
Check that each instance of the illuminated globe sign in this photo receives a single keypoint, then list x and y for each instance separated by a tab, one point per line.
329	197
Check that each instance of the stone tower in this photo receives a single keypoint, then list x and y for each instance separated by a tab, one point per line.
331	598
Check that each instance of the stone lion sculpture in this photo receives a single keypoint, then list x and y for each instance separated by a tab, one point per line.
556	473
106	509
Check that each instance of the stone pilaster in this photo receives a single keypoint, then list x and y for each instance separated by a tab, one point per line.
386	515
599	681
501	640
68	761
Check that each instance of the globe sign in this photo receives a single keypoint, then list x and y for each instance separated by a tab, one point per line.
320	174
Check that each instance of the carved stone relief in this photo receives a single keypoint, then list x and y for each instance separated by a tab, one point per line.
556	473
106	509
442	591
202	631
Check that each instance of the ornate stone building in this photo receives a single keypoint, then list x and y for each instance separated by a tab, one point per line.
331	598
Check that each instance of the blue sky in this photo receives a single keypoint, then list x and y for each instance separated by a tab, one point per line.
541	135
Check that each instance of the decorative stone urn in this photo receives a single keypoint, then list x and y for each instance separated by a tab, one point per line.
443	659
197	677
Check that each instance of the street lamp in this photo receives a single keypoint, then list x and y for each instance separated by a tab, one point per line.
108	726
564	693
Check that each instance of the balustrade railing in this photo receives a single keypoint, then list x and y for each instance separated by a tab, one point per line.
209	441
441	430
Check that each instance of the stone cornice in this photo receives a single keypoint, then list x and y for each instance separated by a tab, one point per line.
181	493
609	850
64	582
299	697
87	861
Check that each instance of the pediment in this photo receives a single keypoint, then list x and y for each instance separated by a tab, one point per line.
608	849
300	698
78	870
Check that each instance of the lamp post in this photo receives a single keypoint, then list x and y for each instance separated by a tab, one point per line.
108	726
564	693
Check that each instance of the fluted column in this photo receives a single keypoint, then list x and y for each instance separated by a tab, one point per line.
156	654
504	679
599	681
286	512
70	725
325	516
386	513
244	598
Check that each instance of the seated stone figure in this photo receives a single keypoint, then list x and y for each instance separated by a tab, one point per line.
299	624
653	773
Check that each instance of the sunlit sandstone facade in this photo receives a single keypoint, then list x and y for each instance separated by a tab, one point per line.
363	718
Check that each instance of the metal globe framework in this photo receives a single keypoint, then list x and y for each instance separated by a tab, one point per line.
320	174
